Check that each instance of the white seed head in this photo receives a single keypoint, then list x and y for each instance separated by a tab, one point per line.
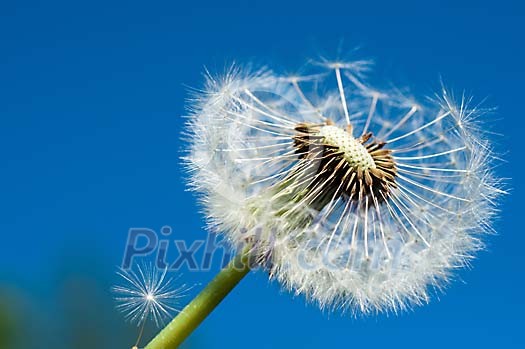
357	198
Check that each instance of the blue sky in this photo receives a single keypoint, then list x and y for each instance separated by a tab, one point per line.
91	98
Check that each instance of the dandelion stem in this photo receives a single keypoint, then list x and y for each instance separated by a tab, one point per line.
202	305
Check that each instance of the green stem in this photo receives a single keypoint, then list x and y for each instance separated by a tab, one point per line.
202	305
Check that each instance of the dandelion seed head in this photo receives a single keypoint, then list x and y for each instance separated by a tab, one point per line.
358	198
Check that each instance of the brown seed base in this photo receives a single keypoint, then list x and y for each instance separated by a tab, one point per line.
333	177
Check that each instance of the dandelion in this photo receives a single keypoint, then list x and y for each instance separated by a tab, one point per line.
358	198
147	294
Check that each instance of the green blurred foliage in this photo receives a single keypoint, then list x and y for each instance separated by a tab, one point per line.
12	310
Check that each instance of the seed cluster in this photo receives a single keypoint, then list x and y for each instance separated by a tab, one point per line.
348	167
353	151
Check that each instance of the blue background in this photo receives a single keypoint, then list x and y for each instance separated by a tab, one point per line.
91	98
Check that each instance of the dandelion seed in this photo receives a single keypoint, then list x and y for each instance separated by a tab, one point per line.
147	294
358	198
